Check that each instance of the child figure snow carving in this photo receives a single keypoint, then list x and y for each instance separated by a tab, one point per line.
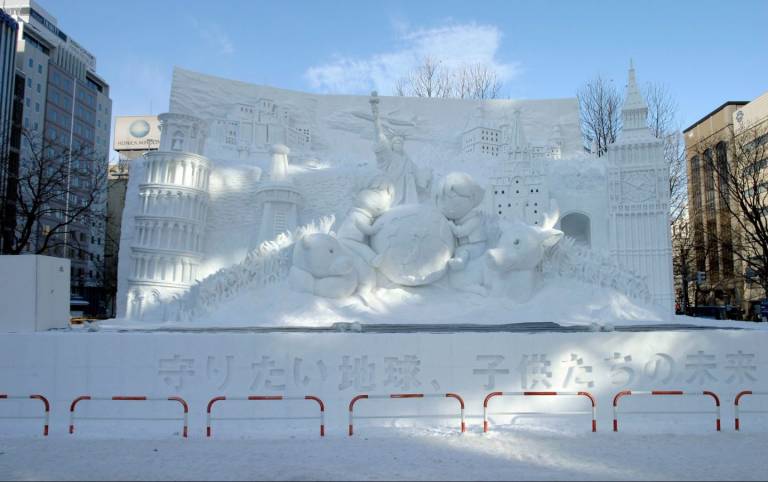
353	233
458	196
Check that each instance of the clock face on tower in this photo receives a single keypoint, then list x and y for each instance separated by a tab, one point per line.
638	187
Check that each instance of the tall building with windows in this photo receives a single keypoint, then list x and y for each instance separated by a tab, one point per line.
710	142
67	118
713	261
8	32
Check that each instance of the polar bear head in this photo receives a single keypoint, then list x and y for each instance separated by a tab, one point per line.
521	246
321	255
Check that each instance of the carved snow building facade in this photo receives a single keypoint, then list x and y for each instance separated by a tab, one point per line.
638	200
621	208
169	226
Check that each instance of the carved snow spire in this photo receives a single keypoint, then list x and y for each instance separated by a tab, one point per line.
279	168
518	134
634	113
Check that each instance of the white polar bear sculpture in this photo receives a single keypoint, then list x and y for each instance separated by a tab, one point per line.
322	267
509	269
511	265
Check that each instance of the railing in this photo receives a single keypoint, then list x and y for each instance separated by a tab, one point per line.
122	398
46	407
210	417
541	394
738	411
403	395
626	393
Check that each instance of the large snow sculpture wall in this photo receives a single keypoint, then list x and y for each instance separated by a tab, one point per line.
526	153
170	224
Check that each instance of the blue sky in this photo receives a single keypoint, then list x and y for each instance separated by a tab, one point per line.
706	52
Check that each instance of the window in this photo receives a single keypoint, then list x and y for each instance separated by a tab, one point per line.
37	106
39	88
31	63
28	102
177	142
39	68
29	82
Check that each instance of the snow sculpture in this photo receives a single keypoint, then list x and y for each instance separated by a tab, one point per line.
279	198
169	227
267	264
510	269
279	168
457	197
638	199
320	266
569	259
356	229
393	235
411	184
513	262
415	243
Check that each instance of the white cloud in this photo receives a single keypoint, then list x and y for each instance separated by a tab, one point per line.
213	35
454	45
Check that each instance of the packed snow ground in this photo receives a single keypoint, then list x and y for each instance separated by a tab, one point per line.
530	453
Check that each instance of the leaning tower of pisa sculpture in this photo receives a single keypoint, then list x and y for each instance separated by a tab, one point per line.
170	222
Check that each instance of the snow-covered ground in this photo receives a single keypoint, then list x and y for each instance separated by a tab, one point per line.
338	366
532	453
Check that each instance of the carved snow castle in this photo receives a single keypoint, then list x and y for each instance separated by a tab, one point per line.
371	203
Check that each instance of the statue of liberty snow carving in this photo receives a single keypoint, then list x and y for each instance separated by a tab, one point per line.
411	184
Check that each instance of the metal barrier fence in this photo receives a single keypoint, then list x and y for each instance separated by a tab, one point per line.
737	410
624	393
540	394
120	398
46	407
403	395
210	418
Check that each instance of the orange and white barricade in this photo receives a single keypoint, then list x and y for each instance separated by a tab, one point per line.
356	398
588	395
120	398
45	417
737	410
210	417
627	393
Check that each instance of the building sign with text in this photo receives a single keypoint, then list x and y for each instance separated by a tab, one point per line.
134	133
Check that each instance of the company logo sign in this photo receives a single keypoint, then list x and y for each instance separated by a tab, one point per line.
137	133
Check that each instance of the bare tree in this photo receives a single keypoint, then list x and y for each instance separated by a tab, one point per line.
662	121
476	81
432	79
740	184
600	113
59	193
429	79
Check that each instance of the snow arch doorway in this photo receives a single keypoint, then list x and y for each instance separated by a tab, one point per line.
578	227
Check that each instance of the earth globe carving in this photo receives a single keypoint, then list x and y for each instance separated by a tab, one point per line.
415	243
